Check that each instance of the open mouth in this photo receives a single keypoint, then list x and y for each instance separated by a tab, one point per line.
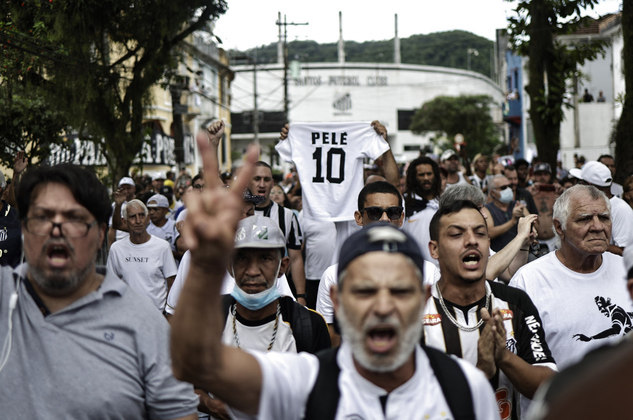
57	255
471	260
381	339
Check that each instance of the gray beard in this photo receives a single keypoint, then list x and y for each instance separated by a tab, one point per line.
379	363
58	284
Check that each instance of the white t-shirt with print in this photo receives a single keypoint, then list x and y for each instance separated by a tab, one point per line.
566	301
329	161
417	225
145	267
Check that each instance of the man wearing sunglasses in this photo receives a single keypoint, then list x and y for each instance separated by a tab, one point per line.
505	212
78	342
377	202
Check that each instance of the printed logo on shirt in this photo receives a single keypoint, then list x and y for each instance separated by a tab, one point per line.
507	314
621	320
432	319
137	259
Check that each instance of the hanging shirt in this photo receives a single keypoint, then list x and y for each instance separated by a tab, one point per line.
329	160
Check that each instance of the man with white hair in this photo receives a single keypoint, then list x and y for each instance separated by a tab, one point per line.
143	261
567	285
597	174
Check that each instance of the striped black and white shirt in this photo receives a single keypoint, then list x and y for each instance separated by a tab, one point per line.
287	221
524	337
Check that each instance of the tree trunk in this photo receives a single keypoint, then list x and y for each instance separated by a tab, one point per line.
624	129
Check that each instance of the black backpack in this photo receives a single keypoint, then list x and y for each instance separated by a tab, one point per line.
323	399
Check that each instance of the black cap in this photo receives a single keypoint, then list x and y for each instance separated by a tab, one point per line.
381	236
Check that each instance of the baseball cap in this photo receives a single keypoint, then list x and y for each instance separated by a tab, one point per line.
380	236
159	175
126	180
157	200
259	232
542	167
447	154
627	257
596	173
166	190
576	173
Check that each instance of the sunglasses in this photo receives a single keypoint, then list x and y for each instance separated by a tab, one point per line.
375	213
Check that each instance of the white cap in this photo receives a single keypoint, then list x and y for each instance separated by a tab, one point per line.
596	173
160	175
126	180
447	154
259	232
158	200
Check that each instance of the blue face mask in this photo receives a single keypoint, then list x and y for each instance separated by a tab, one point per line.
506	196
257	301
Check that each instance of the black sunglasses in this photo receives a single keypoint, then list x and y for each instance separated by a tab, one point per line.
375	213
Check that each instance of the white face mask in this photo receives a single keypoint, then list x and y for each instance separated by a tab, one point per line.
506	196
256	301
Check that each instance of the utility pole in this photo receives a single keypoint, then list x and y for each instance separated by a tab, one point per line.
285	25
255	109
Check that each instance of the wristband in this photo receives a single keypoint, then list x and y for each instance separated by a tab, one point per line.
300	295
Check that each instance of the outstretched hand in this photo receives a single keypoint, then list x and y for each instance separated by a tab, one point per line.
212	215
380	129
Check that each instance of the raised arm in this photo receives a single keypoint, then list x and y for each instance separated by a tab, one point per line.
198	354
389	165
213	134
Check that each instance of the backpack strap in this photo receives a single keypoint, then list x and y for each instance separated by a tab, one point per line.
301	323
454	384
323	399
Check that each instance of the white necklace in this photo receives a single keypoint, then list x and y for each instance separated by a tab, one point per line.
455	322
272	339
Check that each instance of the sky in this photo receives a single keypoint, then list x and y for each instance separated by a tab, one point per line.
251	23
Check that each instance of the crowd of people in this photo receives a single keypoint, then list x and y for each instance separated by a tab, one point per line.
351	287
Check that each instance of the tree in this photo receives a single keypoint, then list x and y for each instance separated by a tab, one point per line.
624	128
533	33
468	115
26	120
100	59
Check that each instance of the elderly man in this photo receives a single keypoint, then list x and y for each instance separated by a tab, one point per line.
493	326
79	344
143	261
382	369
596	174
570	286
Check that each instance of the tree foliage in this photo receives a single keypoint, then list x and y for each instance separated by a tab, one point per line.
533	32
98	61
446	49
624	129
468	115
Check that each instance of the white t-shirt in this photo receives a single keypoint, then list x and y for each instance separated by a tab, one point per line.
318	239
166	231
417	225
621	222
566	301
329	161
227	284
287	380
145	267
329	278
